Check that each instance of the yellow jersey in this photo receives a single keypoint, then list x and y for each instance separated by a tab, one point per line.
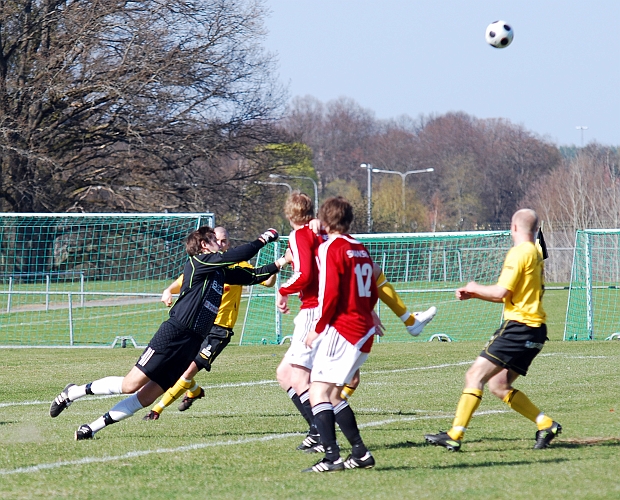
231	299
522	274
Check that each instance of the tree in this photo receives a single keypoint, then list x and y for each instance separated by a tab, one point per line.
350	191
132	105
584	193
338	134
389	212
482	168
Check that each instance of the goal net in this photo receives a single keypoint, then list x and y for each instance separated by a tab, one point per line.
424	268
593	311
88	279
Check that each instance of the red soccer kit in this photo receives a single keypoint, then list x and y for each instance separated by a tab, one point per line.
304	245
347	289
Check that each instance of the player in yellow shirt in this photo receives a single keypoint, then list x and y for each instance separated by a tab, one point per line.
514	346
214	343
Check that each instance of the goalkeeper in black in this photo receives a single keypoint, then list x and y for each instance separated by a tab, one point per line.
179	338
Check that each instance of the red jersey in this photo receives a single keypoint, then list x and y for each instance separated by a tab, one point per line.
347	289
304	245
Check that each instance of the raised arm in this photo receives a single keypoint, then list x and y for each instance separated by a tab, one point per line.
301	250
209	262
250	275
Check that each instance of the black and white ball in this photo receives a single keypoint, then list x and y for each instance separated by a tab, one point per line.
499	34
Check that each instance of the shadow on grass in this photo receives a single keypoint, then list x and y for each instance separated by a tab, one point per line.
423	444
475	465
585	442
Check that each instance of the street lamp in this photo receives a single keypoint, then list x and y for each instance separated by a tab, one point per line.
369	169
316	188
582	128
403	176
290	189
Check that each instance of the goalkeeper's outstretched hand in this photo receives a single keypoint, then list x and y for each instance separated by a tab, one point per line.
268	236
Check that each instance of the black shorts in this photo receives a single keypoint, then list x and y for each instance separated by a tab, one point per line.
515	345
212	346
169	353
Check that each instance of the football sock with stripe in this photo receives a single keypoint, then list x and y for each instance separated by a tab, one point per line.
298	404
124	409
172	394
304	397
389	296
347	392
468	404
194	390
520	403
101	387
345	418
325	421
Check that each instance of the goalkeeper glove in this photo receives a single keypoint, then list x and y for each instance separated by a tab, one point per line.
269	236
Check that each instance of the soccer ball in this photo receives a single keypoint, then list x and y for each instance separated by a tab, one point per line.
499	34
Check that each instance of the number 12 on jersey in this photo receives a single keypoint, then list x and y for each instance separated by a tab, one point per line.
363	273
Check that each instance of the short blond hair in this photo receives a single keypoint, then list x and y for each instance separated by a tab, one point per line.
298	208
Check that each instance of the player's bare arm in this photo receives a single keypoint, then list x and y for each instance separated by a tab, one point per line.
489	293
174	288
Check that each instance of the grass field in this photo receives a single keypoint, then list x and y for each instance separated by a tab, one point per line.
105	317
239	442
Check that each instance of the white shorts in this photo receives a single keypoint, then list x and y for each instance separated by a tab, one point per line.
299	353
336	359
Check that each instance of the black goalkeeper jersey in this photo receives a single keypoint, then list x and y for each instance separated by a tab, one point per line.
203	284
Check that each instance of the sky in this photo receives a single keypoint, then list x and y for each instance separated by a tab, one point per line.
430	57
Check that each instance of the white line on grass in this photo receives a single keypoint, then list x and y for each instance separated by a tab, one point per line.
273	382
417	368
200	446
248	384
572	356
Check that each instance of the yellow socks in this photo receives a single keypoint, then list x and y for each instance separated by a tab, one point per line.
468	404
194	390
520	403
347	392
172	394
390	298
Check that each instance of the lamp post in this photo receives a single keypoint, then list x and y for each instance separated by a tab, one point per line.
290	189
582	128
403	176
369	169
316	188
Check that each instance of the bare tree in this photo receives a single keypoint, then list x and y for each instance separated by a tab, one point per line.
131	105
482	168
584	193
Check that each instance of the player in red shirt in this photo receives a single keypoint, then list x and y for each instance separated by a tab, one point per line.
293	373
345	332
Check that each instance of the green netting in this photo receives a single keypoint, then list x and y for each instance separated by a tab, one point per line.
86	279
593	311
425	269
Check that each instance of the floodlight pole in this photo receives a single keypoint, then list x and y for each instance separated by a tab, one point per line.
290	189
369	169
403	176
582	128
316	188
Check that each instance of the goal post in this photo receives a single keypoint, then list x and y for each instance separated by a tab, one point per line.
88	280
424	268
593	311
